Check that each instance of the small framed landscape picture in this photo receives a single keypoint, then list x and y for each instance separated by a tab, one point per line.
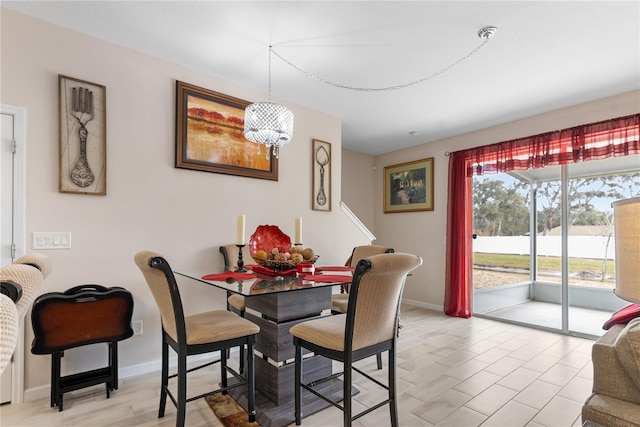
408	187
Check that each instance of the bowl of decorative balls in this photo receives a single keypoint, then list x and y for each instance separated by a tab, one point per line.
280	261
271	248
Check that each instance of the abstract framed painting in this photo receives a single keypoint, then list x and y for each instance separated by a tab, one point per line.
408	187
210	135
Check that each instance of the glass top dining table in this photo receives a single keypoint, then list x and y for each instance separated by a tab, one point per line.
251	284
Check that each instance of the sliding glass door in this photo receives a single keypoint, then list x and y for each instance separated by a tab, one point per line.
544	247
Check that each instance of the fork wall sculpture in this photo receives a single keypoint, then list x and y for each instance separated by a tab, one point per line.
82	110
82	121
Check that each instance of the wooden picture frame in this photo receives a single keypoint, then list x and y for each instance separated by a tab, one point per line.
321	167
82	117
210	135
408	187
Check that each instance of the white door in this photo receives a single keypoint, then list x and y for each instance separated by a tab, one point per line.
12	231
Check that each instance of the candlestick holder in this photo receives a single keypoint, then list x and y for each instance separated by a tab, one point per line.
297	244
240	268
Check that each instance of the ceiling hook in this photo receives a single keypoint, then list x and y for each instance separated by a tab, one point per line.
487	32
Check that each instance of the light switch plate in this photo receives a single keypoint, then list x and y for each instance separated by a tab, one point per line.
51	240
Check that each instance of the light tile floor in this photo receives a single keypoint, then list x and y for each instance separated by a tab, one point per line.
584	321
451	372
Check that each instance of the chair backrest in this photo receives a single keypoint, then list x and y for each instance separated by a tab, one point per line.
374	300
365	251
163	286
362	252
229	255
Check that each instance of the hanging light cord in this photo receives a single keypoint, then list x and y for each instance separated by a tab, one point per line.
270	51
484	33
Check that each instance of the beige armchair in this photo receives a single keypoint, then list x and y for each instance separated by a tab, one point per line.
9	321
22	281
615	401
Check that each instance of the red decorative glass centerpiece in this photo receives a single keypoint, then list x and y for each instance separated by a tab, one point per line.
271	248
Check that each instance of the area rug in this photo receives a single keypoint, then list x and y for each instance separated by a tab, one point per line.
228	411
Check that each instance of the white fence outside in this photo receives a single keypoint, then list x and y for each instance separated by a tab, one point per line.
593	247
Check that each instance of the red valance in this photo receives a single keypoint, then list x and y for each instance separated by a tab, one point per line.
610	138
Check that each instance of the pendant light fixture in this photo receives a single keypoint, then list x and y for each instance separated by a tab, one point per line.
268	123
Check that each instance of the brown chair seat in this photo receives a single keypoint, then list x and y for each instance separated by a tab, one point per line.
326	332
227	326
237	302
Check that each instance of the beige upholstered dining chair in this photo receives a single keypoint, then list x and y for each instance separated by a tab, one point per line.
339	301
368	327
217	330
235	302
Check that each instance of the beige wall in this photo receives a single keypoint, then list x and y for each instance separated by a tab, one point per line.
358	191
424	233
149	204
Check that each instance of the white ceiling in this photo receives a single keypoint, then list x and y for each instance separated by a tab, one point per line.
546	55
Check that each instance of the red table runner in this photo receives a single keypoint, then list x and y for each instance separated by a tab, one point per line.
335	268
229	275
269	272
342	278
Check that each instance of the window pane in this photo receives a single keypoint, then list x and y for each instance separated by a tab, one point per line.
501	260
591	243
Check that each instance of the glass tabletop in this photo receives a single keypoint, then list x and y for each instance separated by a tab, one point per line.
262	284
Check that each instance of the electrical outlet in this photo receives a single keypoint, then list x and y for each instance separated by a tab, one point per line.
136	325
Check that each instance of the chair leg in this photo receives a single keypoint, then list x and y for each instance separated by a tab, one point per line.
223	370
251	383
346	397
242	359
182	389
379	360
393	403
164	377
298	380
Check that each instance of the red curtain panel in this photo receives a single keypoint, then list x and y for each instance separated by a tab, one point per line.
609	138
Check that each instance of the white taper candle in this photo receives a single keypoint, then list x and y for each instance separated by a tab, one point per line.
298	235
240	230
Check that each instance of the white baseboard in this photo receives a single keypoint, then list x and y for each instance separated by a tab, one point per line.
41	392
421	304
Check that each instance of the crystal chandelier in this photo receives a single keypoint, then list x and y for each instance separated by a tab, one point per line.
268	123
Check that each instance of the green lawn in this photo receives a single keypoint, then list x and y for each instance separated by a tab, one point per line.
576	265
